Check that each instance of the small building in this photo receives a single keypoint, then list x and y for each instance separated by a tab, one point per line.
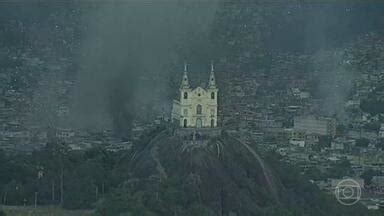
64	134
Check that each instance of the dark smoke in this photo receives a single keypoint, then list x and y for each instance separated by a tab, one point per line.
127	54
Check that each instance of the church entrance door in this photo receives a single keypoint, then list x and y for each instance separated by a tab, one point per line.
199	123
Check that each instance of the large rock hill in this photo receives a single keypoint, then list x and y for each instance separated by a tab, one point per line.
218	176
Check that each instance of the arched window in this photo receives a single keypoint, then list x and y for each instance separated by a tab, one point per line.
185	95
199	109
213	95
212	123
185	123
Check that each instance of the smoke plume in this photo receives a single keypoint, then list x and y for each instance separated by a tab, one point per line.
126	57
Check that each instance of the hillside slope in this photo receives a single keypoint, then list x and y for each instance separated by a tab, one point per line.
222	176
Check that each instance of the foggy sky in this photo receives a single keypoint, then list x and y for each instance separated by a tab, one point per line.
127	43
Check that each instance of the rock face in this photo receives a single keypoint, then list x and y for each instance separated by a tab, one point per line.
223	174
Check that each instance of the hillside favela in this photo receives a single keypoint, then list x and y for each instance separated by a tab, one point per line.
192	108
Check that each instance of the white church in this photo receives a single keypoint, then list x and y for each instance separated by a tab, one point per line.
197	108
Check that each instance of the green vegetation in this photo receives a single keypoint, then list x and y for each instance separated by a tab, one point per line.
196	181
300	197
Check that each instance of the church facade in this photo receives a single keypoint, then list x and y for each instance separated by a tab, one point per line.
197	107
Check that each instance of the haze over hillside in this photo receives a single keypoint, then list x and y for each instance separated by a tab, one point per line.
123	44
87	90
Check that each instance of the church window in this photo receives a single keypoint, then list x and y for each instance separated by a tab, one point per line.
199	94
185	95
185	123
213	95
212	123
199	109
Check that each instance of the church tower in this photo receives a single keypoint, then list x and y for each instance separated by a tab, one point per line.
185	94
212	91
212	81
185	82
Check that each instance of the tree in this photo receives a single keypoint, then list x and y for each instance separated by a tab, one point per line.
54	158
83	185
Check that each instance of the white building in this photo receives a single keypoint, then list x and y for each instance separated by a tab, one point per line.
197	108
64	134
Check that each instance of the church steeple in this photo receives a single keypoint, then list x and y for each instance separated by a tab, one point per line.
212	81
185	82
